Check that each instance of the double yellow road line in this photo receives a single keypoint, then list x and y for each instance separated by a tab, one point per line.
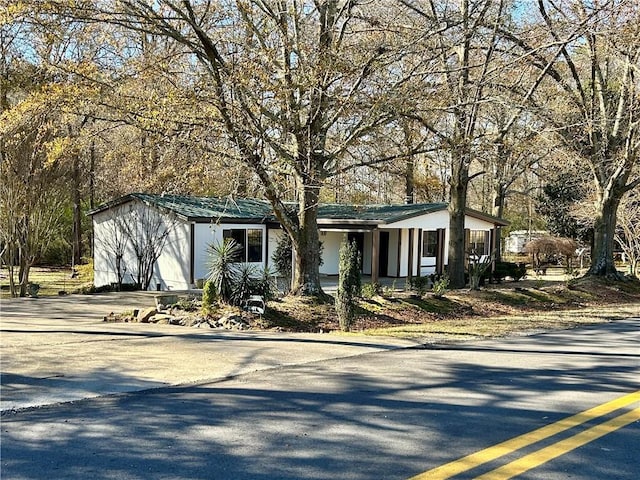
545	454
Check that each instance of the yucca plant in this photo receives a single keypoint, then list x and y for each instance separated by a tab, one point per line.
224	269
244	284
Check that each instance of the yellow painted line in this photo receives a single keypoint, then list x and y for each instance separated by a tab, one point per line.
546	454
509	446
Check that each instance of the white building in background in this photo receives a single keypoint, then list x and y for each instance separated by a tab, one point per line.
517	239
394	240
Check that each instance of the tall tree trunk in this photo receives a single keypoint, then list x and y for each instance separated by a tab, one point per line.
409	180
602	263
499	195
456	261
306	243
77	213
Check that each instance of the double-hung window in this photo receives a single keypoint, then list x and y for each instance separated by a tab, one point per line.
429	243
250	242
479	242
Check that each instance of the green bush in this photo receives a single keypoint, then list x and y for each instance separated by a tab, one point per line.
440	286
208	296
419	285
370	290
348	284
282	258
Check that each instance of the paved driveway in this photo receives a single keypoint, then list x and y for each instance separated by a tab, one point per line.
57	349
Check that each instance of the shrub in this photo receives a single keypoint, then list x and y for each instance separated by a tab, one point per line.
208	296
282	258
348	284
265	285
389	291
419	285
477	269
509	269
370	290
440	286
243	284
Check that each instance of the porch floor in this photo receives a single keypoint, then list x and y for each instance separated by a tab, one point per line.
330	282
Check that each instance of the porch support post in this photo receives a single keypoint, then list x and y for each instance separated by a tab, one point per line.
440	243
375	254
192	253
399	257
494	241
419	256
410	262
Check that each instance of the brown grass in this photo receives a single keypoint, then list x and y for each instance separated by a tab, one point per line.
52	280
495	311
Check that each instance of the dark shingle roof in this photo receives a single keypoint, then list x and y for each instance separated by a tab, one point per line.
202	208
376	213
258	211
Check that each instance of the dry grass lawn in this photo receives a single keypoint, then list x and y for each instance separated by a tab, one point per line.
517	308
511	308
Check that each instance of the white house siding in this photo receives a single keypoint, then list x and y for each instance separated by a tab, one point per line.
211	234
274	236
106	233
477	224
429	221
103	267
169	271
366	254
404	252
331	241
203	235
392	268
172	269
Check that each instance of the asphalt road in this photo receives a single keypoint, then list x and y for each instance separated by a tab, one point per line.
378	412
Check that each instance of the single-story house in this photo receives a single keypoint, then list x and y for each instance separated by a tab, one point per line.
394	240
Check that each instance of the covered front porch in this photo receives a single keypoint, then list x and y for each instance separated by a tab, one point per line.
387	252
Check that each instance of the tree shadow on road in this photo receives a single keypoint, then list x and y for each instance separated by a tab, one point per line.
385	415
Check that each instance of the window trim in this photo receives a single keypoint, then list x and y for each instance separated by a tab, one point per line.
425	235
232	232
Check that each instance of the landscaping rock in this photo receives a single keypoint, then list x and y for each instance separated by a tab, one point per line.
145	315
231	322
162	318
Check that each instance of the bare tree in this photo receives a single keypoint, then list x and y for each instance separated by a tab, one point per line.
147	231
628	230
113	241
31	198
591	99
464	34
293	86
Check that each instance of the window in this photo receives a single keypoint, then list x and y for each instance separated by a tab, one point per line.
250	241
429	243
254	245
478	242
